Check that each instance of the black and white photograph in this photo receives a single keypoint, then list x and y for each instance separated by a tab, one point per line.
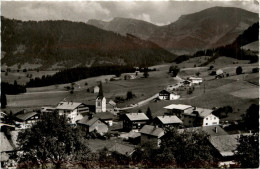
129	84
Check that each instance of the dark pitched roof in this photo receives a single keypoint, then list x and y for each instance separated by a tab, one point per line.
122	149
88	122
25	116
210	130
164	92
104	116
152	130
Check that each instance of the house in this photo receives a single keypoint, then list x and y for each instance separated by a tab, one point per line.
167	95
199	117
8	148
210	130
151	134
122	149
173	87
134	121
225	146
73	110
105	117
219	73
100	101
129	76
88	125
195	80
26	120
178	109
167	121
111	107
186	83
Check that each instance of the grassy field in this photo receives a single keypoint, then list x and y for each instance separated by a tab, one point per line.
235	90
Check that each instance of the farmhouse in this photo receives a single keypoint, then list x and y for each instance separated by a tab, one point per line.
73	110
122	149
26	120
167	121
129	76
219	73
134	121
111	107
167	95
195	80
225	146
151	134
199	117
210	130
88	124
178	109
105	117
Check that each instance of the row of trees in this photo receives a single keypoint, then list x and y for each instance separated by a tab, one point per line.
75	74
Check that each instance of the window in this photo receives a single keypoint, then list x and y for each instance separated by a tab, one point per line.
214	118
206	118
98	103
206	124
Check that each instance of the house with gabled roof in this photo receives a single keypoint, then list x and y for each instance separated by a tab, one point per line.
199	117
89	124
73	110
151	134
210	130
106	117
178	109
134	121
168	95
26	120
167	121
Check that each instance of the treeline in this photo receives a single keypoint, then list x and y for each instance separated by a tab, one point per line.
231	50
7	88
75	74
75	43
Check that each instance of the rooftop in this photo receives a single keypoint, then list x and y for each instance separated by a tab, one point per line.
169	119
195	78
88	122
122	149
152	130
136	116
104	116
201	111
68	105
178	106
25	116
210	130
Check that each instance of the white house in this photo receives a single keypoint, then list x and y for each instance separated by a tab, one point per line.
96	89
199	117
167	95
195	80
72	110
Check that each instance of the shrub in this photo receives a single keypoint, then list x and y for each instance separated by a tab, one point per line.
239	70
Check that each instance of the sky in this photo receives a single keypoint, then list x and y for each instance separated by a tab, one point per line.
156	12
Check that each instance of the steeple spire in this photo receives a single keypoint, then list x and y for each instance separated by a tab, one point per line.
100	93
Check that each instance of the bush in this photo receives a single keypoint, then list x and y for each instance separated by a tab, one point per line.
255	70
86	83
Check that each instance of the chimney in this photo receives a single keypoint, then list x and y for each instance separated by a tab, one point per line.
216	130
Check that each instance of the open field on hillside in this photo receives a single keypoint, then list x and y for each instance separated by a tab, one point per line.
254	46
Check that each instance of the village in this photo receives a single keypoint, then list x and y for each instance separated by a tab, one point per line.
125	129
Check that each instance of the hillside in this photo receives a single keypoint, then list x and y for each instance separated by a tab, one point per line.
123	26
209	28
74	44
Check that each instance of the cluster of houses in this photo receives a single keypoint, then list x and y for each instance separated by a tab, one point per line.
137	126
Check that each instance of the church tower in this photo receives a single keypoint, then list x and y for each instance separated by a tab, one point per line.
100	100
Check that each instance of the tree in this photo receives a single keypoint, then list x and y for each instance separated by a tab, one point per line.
239	70
174	70
250	119
247	151
3	100
211	67
189	148
129	95
198	74
52	141
146	74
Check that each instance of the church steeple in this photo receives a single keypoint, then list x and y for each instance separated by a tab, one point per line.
100	93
